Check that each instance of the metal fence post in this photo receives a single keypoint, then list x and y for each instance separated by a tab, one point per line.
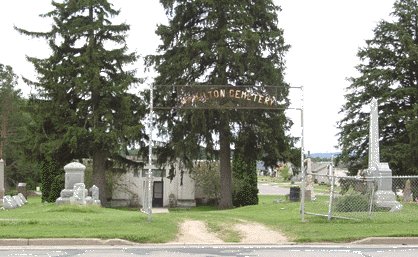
331	195
148	200
302	199
371	202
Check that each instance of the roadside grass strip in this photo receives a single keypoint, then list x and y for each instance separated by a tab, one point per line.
46	220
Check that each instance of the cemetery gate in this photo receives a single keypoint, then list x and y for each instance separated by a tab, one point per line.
214	97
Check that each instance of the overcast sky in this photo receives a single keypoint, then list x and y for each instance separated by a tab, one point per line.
324	36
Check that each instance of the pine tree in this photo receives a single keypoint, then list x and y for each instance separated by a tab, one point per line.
13	118
83	107
9	97
210	42
389	73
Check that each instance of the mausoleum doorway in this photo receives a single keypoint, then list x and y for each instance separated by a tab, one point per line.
157	196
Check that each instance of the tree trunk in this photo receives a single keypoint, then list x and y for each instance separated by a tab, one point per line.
99	179
225	164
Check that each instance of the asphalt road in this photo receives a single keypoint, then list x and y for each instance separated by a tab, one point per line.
272	189
219	250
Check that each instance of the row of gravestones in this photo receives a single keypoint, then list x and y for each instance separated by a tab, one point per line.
11	202
75	191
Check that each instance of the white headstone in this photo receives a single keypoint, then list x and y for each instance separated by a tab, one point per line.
95	192
74	173
22	198
18	201
80	193
9	202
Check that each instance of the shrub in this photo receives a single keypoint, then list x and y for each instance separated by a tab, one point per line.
353	203
284	172
11	192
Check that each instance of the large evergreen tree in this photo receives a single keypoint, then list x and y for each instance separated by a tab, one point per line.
209	42
389	72
82	108
13	131
9	101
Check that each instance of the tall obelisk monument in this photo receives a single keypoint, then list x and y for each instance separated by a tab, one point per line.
374	152
380	172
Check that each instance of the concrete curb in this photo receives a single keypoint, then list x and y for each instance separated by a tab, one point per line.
121	242
388	241
64	241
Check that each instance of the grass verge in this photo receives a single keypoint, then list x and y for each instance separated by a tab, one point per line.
46	220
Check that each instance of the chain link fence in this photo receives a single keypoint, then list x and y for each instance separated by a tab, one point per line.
361	198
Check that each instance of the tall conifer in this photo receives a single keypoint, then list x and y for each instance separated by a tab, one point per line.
388	72
82	106
214	42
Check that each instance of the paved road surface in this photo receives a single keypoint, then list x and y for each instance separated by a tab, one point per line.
272	189
220	250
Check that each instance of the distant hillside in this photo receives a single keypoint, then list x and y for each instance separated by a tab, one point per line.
325	155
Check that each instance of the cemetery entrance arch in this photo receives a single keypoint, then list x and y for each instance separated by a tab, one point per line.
212	97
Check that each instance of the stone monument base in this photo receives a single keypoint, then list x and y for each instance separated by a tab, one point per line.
66	194
387	200
61	200
88	200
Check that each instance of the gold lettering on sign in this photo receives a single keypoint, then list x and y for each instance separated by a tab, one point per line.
232	93
266	101
244	94
260	98
237	93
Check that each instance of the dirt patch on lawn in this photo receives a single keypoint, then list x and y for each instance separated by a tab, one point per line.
257	233
196	232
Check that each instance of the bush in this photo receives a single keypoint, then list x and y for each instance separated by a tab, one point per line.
11	192
353	203
284	172
244	169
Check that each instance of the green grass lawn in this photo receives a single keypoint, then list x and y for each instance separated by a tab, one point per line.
41	220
